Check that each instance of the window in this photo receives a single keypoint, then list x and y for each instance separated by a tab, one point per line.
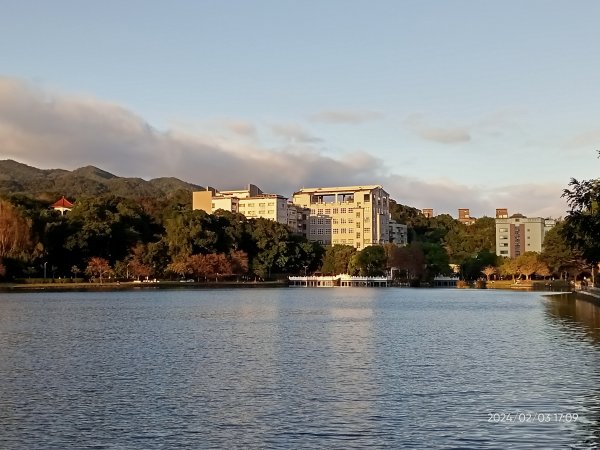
343	210
358	235
350	230
250	204
343	230
335	221
335	210
358	214
367	219
350	210
367	230
335	231
367	197
342	220
503	237
367	209
313	231
319	211
357	224
261	204
271	211
504	244
320	231
503	230
343	241
313	220
271	203
262	211
328	211
213	206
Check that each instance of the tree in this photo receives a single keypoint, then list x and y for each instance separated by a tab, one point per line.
370	261
528	263
509	268
98	267
488	271
409	260
75	270
557	254
337	258
15	230
582	224
239	262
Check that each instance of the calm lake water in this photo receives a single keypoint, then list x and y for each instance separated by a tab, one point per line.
298	368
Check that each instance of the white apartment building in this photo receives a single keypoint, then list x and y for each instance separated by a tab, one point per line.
251	202
351	215
518	234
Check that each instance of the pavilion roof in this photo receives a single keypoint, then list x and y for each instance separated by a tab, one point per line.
62	203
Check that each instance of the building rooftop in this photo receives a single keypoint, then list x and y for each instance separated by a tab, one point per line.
339	189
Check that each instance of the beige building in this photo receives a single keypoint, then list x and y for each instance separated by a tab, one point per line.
518	234
251	202
428	212
351	215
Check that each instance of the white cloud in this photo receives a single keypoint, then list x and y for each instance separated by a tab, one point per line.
294	133
345	117
442	135
50	130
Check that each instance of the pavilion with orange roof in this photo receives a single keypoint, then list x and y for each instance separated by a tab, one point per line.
63	205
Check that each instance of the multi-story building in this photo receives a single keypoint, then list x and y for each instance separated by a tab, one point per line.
464	216
428	212
518	234
298	219
352	215
398	233
251	202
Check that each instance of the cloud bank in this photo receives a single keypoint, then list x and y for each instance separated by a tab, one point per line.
51	130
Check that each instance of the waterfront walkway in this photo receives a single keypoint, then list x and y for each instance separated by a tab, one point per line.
343	280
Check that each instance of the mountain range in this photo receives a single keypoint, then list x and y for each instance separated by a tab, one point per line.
18	178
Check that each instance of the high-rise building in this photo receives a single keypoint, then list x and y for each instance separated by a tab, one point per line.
518	234
351	215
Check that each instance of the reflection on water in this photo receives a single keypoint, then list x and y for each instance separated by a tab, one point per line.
582	317
297	368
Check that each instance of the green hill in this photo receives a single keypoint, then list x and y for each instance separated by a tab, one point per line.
18	178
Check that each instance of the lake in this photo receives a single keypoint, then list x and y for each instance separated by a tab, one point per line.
298	368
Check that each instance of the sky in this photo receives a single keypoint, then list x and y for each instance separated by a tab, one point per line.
447	104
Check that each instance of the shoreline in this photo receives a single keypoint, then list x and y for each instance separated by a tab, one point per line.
130	286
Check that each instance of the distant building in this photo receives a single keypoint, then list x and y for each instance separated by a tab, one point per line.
464	216
298	219
63	206
428	212
251	202
398	233
518	234
501	213
351	215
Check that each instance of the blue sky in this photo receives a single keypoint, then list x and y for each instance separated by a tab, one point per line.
448	104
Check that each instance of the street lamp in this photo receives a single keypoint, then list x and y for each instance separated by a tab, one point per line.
46	262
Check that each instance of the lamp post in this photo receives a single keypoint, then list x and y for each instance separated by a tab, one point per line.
46	262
